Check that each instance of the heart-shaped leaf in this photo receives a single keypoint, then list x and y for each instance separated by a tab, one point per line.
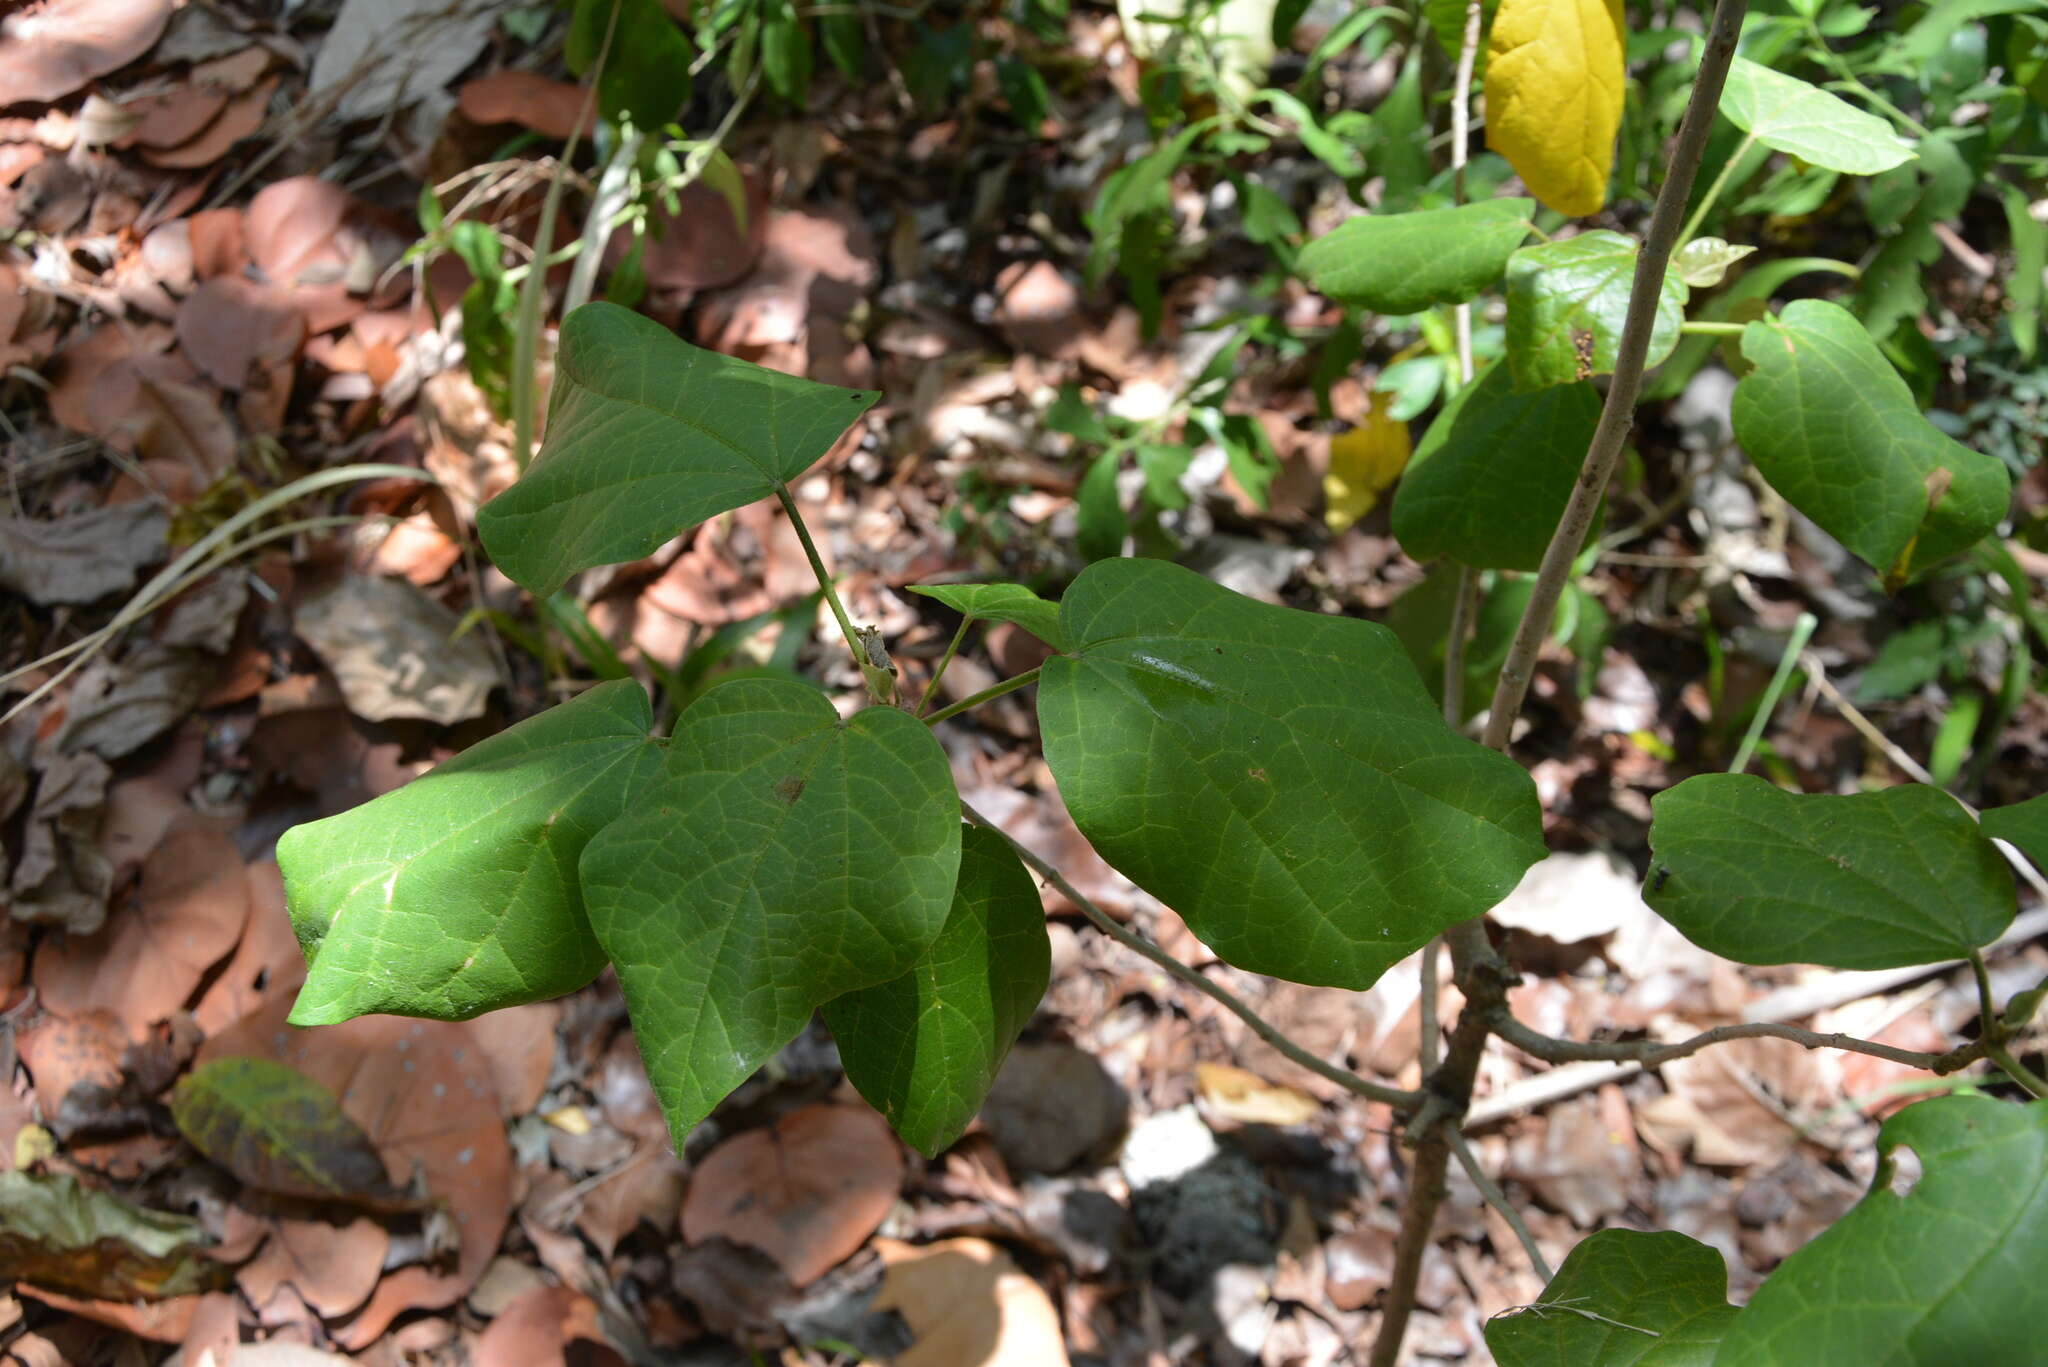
785	857
1000	603
1279	778
1494	471
1555	83
1835	430
1873	880
1622	1299
457	893
1568	302
1402	263
648	435
1820	129
923	1048
1946	1272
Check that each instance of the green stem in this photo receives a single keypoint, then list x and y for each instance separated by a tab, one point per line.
993	691
1802	632
1692	225
1705	329
824	577
953	648
2017	1071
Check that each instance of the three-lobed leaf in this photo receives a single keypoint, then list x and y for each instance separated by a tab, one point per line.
924	1047
1835	430
1279	778
784	857
457	893
647	436
1568	303
1402	263
1802	120
1623	1298
1871	880
1555	82
1946	1272
1494	472
1011	603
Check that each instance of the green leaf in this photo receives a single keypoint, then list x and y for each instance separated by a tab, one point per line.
1279	778
456	894
785	857
1835	430
1100	523
646	72
1493	473
786	51
923	1048
2024	824
647	436
279	1131
1403	263
1873	880
1947	1273
1568	301
1622	1299
1786	113
1000	603
1702	262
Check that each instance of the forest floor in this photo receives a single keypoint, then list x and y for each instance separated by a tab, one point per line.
209	295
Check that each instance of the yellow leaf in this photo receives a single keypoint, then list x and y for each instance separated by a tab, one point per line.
1554	81
1363	462
1234	1094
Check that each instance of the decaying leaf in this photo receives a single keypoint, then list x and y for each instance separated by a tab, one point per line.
280	1132
57	1233
394	651
83	558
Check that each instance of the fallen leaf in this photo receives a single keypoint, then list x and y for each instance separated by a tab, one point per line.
110	385
1051	1106
267	964
311	237
382	55
57	1233
1363	463
1572	897
554	109
169	117
166	1321
1233	1094
537	1329
63	874
645	1187
968	1305
807	1190
241	117
280	1132
63	1053
233	329
82	558
1580	1157
394	651
117	707
331	1267
701	245
49	50
520	1045
1038	309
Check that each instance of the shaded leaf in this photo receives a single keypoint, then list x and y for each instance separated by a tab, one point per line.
2025	824
1947	1272
646	71
1363	462
1622	1299
1785	113
1554	87
78	559
1872	880
468	874
1835	430
648	435
279	1131
784	858
1568	303
70	1238
1000	603
1402	263
1202	741
1494	471
924	1047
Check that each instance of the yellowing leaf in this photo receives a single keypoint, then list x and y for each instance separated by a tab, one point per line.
1234	1094
1363	462
1553	96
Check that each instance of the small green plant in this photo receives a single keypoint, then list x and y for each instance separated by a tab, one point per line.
1284	780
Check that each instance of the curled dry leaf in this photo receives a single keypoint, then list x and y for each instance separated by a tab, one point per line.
62	875
968	1305
808	1190
551	108
112	385
423	1093
311	237
331	1267
394	651
49	50
71	1238
84	558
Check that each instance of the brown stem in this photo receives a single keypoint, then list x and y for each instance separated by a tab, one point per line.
1650	1053
1617	415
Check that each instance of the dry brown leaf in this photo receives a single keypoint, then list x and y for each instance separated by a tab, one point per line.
313	239
268	964
50	49
62	1052
234	329
394	651
808	1190
82	558
166	1321
554	109
333	1267
1580	1157
1734	1105
63	874
701	246
423	1092
520	1045
184	917
1038	309
117	707
537	1329
242	116
216	236
172	116
1051	1106
647	1186
969	1306
113	385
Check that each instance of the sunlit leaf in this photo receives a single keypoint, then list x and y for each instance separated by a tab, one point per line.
1554	88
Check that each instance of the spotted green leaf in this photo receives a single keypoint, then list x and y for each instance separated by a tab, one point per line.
924	1047
1402	263
1835	430
1279	778
784	857
1623	1298
647	436
1567	302
457	893
1872	880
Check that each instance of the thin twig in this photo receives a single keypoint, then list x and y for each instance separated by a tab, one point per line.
1489	1189
1650	1053
1108	925
1617	415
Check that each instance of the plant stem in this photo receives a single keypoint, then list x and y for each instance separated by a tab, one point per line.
993	691
1490	1190
1617	415
824	578
1131	940
1650	1053
1692	225
1702	328
1802	632
952	648
2017	1071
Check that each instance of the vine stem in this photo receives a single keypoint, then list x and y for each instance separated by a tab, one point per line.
1489	1189
1351	1082
1617	414
824	578
992	692
1692	225
1650	1053
931	690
